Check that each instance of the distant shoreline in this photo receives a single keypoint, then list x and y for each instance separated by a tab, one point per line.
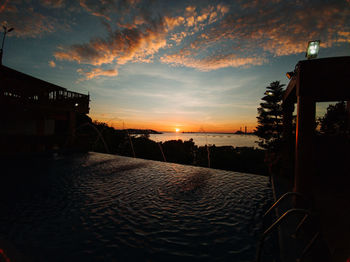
223	133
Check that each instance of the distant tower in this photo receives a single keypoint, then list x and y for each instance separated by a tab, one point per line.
240	129
245	130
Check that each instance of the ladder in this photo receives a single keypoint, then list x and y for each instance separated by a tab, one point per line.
284	217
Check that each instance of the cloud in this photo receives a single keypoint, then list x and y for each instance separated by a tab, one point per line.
52	63
344	36
277	27
223	9
106	8
212	63
28	23
121	46
95	8
172	22
52	3
205	36
96	73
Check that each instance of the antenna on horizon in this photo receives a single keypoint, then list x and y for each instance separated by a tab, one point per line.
4	25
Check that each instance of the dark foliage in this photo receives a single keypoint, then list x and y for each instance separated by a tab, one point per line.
269	117
240	159
98	137
333	142
178	151
335	121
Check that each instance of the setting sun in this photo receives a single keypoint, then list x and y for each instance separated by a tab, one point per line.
177	130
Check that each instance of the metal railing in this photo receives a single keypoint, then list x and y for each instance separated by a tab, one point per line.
59	98
293	211
284	197
58	95
289	213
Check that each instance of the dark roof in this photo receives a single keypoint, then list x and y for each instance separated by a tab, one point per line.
18	80
325	79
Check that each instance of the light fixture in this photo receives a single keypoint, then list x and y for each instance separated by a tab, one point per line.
312	49
290	74
268	93
4	26
76	105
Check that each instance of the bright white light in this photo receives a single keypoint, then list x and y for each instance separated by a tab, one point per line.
312	49
76	104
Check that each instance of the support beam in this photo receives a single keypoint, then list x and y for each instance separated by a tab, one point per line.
304	159
288	109
287	137
348	111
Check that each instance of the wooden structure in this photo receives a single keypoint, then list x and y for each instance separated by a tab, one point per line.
36	115
318	80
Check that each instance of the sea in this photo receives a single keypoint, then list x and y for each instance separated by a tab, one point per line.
217	139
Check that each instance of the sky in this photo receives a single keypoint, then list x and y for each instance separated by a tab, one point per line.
192	65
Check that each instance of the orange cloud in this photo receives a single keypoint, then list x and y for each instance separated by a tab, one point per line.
212	36
172	22
190	9
202	17
27	21
223	9
87	7
96	73
52	64
121	46
178	37
212	63
344	36
279	29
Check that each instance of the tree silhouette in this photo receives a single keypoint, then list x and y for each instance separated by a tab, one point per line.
335	121
269	117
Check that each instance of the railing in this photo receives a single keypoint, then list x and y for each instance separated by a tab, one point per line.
286	215
60	98
282	198
294	211
63	95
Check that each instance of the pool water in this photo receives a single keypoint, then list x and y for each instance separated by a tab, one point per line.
99	207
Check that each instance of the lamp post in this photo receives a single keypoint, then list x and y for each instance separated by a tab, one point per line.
4	25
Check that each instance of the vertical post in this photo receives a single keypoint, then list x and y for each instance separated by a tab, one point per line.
304	145
2	45
348	111
288	108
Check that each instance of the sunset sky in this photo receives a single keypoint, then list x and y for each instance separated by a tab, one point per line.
192	65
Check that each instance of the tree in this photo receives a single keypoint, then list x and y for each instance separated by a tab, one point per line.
335	121
269	117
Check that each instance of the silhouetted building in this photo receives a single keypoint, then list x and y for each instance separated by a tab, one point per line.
36	115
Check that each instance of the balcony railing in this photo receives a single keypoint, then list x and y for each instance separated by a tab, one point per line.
58	99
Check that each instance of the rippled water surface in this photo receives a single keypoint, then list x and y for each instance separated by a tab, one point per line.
98	207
